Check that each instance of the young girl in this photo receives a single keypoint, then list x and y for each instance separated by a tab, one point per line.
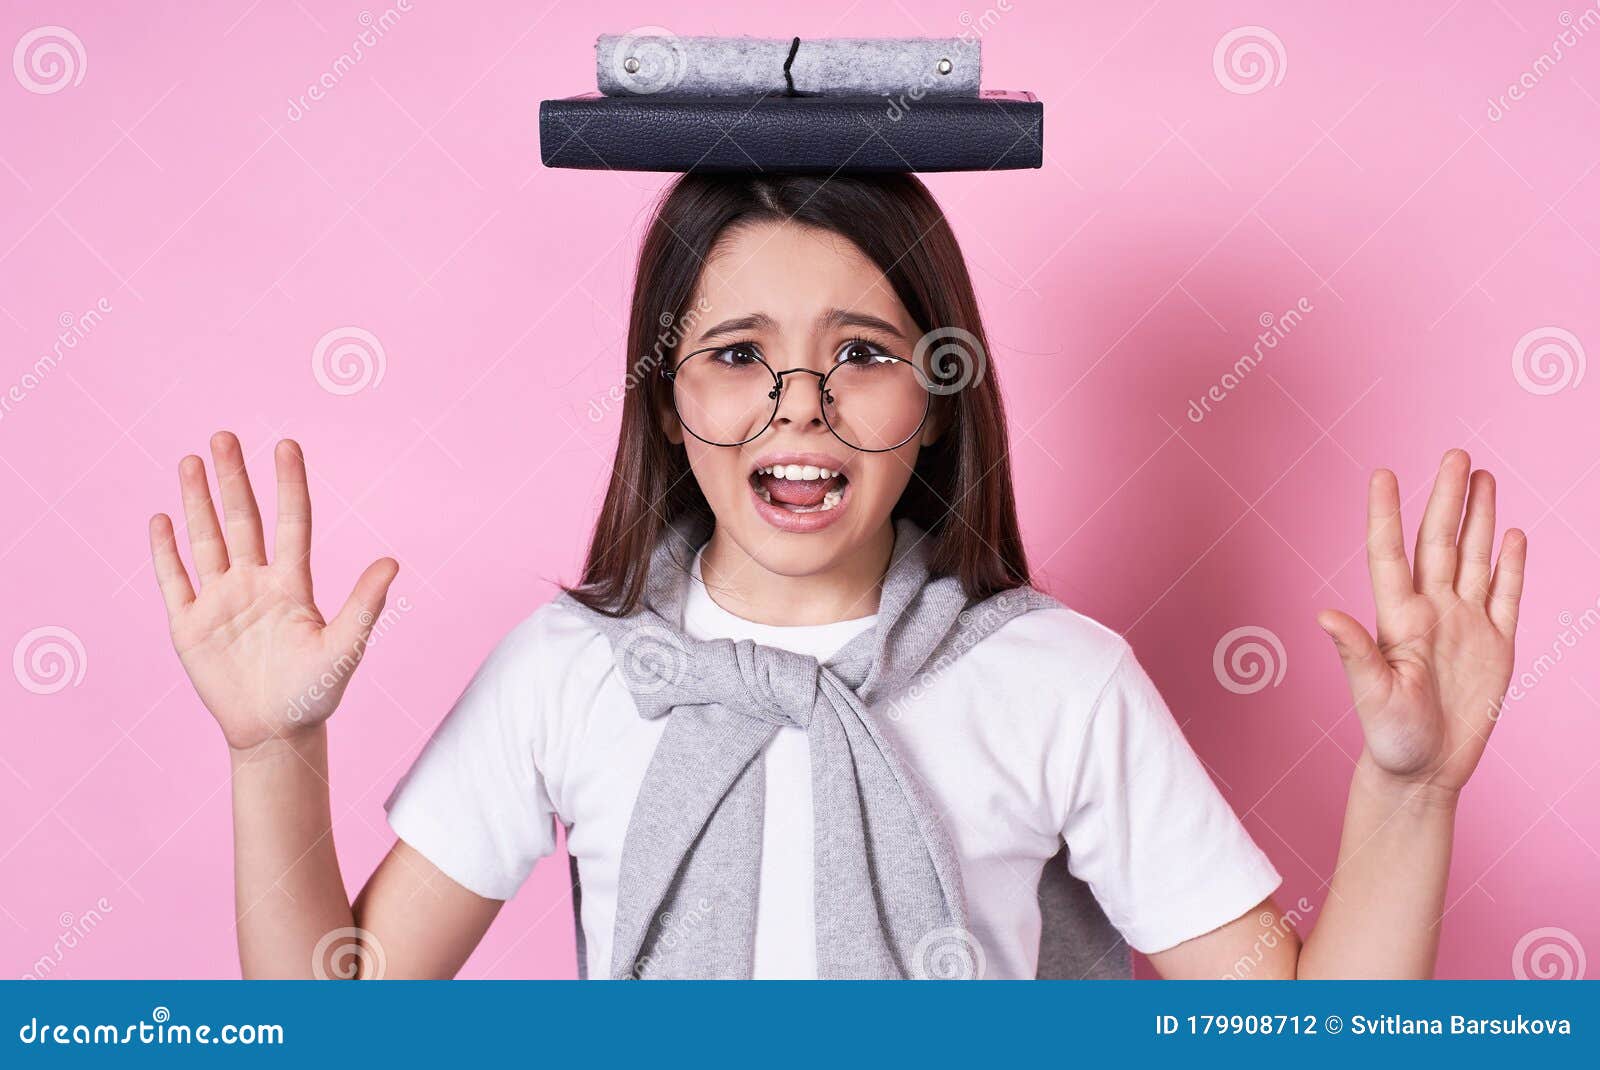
803	716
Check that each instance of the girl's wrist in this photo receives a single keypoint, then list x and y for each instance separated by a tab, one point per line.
1416	794
299	744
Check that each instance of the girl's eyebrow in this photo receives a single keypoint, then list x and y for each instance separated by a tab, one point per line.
756	321
840	317
829	320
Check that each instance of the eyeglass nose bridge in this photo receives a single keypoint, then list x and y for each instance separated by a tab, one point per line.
822	380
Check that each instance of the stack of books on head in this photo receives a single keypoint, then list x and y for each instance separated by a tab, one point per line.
745	104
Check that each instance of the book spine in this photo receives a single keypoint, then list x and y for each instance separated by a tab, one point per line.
654	61
806	136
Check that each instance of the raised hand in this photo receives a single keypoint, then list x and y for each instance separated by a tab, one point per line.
260	655
1429	689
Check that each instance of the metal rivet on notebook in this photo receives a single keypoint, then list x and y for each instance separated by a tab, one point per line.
945	66
631	65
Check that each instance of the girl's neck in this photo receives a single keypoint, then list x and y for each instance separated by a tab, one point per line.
744	587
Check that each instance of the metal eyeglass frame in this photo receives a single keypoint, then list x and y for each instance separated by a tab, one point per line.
776	394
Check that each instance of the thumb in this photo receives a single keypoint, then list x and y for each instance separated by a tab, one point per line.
1364	664
349	630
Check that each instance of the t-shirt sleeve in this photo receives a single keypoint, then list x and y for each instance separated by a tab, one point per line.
474	803
1147	829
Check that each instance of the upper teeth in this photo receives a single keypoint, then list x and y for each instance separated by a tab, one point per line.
796	471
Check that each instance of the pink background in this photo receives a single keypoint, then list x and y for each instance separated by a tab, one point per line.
1120	282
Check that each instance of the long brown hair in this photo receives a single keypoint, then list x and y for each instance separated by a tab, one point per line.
961	492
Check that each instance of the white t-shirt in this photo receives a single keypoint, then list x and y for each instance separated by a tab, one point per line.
1047	729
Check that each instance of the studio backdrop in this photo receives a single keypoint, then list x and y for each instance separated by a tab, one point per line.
1269	249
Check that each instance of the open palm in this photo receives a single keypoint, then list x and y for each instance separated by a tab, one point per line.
1429	689
260	655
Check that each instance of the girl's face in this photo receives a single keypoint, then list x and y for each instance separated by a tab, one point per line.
796	498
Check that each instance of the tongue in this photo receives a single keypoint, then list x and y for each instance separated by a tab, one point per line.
797	491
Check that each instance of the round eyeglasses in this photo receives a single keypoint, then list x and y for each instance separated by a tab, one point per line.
872	401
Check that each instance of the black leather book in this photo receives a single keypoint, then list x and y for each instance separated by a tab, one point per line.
818	134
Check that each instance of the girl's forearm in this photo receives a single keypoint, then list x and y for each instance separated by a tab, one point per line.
1386	899
288	891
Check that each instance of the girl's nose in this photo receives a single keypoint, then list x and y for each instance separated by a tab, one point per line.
800	403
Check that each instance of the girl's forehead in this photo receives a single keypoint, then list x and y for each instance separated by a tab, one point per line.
793	273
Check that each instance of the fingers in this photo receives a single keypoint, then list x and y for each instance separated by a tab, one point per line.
1364	664
292	542
241	516
1441	521
1475	551
349	630
171	577
1505	590
205	535
1386	549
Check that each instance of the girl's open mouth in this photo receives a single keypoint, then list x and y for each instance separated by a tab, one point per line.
799	488
799	498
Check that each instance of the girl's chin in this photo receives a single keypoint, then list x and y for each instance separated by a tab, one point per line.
799	523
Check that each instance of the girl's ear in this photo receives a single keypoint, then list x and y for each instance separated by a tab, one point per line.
671	426
934	425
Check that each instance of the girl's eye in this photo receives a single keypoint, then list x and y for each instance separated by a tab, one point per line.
862	353
735	356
